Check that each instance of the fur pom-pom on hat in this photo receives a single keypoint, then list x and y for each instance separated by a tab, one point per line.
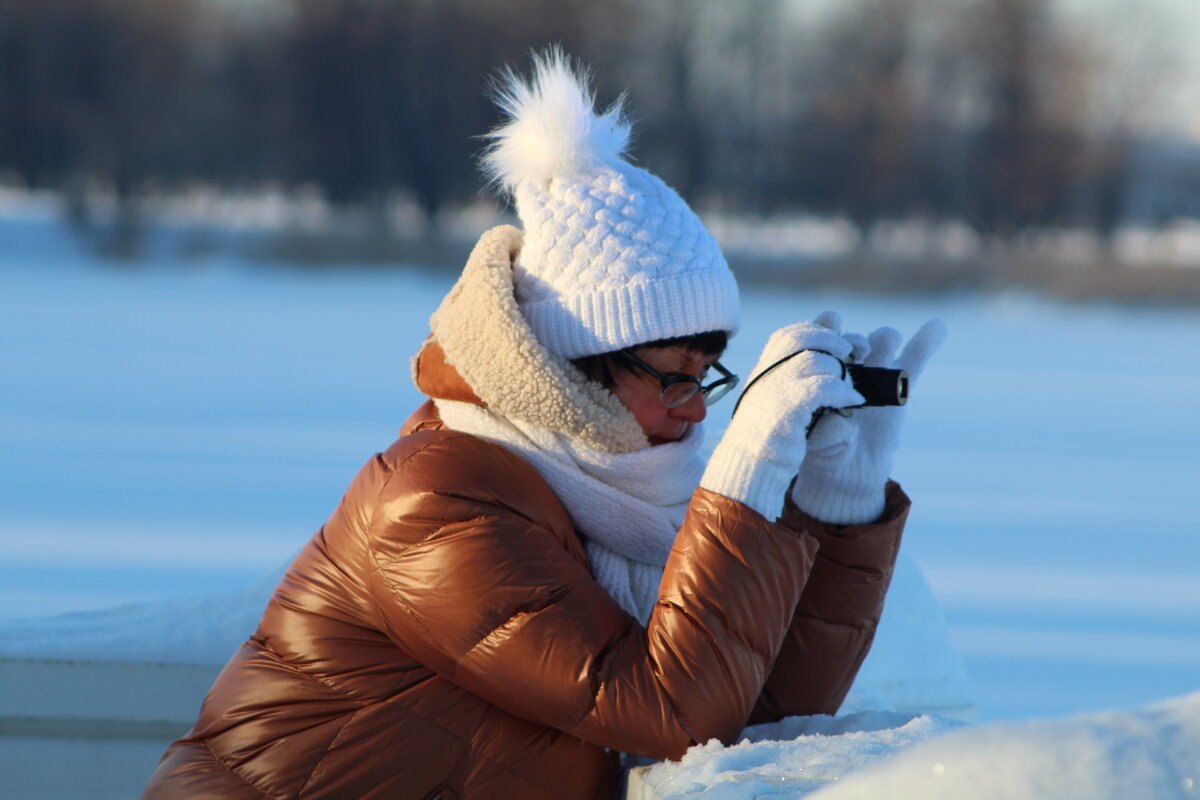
612	256
553	130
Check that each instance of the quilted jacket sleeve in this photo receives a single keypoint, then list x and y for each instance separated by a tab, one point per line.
478	574
838	612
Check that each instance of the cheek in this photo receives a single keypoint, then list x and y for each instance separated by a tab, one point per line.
645	405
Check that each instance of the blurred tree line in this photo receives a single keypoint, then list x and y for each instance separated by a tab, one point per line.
983	111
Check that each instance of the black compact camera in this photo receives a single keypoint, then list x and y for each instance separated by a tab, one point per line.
879	386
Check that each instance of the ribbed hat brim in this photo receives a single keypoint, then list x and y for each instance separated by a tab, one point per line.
609	319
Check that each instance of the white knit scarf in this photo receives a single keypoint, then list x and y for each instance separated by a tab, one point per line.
628	506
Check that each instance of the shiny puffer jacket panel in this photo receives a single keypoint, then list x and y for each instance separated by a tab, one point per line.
442	636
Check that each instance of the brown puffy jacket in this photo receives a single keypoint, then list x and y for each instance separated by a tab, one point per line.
441	636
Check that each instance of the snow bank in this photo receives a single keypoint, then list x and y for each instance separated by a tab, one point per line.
913	665
187	630
1151	753
785	759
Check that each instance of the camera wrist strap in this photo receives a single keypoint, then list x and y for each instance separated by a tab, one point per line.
786	358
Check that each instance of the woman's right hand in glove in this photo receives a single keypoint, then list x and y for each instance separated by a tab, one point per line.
764	445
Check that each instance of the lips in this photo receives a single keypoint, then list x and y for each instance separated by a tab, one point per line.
657	440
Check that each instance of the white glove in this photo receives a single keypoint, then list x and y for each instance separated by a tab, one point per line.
849	459
764	444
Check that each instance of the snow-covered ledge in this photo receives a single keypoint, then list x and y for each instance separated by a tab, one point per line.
787	759
92	699
122	683
1149	753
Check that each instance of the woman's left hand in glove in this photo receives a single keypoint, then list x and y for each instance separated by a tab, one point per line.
849	458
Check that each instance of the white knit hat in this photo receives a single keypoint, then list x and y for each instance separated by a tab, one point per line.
612	256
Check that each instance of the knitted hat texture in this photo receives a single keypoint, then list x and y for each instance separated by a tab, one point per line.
612	256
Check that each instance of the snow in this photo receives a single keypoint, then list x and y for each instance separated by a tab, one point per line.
200	629
787	759
913	664
1151	752
171	432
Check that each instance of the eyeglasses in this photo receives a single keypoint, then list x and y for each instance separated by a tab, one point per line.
679	387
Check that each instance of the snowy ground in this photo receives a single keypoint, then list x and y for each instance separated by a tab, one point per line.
171	430
1150	753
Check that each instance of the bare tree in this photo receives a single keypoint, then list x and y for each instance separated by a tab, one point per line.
1129	62
93	94
853	143
1024	143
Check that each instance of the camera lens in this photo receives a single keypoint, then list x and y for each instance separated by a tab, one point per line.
879	386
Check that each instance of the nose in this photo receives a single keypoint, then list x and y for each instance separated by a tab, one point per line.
693	410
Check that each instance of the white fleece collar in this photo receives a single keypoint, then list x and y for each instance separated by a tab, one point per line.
487	340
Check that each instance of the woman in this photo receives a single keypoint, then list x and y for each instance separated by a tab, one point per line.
542	572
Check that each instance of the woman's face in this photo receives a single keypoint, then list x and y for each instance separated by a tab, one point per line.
640	392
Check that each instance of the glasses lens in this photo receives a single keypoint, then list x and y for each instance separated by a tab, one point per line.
679	393
716	391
